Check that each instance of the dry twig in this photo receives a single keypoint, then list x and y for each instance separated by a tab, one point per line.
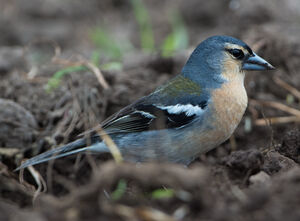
89	65
65	62
114	150
259	44
287	87
276	120
42	187
138	213
278	106
9	152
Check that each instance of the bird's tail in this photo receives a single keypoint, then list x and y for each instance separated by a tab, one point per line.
66	150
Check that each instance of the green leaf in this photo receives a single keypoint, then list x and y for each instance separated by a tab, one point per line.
95	58
145	27
106	43
54	81
168	46
163	193
290	99
110	66
178	39
120	190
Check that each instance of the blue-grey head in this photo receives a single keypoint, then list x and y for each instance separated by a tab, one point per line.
221	57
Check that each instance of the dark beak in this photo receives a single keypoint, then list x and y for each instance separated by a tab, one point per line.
256	63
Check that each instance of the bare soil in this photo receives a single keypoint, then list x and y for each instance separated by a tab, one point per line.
254	176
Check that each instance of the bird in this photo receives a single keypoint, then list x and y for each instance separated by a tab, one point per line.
191	114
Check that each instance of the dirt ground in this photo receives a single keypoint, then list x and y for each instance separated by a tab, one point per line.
253	176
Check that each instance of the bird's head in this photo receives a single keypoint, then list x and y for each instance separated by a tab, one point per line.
222	58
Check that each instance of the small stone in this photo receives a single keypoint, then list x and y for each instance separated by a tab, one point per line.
275	162
260	178
242	163
10	58
290	146
18	127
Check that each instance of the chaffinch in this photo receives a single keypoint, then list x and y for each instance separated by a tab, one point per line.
191	114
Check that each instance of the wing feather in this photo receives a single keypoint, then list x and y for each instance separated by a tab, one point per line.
148	113
142	116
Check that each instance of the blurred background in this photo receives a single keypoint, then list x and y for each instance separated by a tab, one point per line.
66	65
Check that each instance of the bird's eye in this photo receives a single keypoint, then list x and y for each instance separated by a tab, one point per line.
237	53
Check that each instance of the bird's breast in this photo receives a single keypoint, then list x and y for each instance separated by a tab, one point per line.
228	106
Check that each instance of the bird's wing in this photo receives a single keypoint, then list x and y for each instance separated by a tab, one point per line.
143	116
173	105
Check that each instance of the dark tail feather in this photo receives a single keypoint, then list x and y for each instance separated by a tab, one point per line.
69	149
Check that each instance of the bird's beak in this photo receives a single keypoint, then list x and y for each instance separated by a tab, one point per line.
256	63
